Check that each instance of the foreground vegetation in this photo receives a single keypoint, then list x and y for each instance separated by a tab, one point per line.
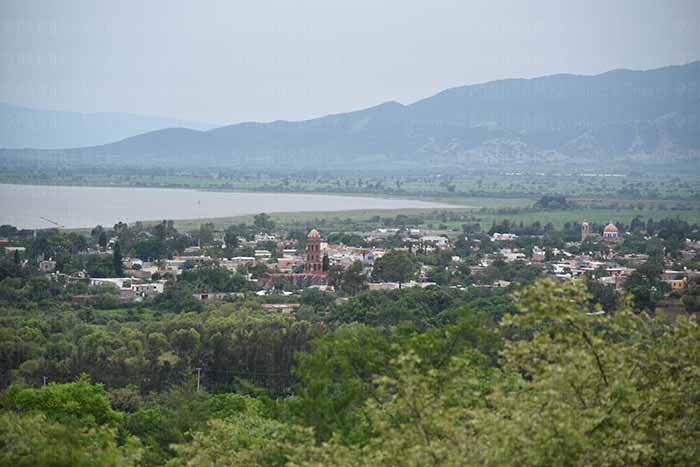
551	383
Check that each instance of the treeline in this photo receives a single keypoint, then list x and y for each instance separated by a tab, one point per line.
138	347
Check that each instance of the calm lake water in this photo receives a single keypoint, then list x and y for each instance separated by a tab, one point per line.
28	206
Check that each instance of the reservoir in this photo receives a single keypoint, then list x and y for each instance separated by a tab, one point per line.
39	206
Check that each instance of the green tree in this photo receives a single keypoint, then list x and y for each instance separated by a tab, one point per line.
245	440
81	399
645	285
102	239
149	250
264	222
336	378
34	440
395	266
350	281
231	238
117	260
178	296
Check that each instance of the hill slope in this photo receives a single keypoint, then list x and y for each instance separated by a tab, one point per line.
604	120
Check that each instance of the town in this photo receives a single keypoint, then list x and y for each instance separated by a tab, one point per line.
655	261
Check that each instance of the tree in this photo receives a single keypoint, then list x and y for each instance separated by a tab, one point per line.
645	286
231	238
205	234
395	266
611	389
350	281
117	260
213	278
149	250
244	441
263	221
32	440
178	296
336	378
78	242
95	233
102	239
79	400
602	294
185	342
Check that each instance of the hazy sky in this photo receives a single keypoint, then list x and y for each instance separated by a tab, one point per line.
232	61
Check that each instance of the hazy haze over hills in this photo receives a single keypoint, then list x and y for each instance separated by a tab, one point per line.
21	127
606	119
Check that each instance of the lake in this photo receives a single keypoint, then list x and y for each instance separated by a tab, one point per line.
32	207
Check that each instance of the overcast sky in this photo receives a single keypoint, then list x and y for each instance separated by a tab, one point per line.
259	60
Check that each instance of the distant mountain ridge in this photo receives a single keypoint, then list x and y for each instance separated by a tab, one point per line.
22	127
615	118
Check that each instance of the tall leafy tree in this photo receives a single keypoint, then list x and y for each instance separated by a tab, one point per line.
231	238
117	260
32	440
263	221
102	239
395	266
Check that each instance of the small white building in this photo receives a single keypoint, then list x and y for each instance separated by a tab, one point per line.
503	237
264	237
148	289
115	281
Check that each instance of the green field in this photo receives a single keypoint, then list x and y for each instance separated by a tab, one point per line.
359	219
630	187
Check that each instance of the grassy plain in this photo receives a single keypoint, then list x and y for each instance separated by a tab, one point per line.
442	185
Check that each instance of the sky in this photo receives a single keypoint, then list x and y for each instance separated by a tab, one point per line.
232	61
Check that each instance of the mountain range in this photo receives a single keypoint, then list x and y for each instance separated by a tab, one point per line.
22	127
615	119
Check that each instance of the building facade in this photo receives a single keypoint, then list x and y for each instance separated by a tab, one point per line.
314	261
610	233
585	231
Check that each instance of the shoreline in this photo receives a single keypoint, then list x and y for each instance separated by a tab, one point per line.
79	206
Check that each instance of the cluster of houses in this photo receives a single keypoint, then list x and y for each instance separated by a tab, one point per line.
610	268
309	267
